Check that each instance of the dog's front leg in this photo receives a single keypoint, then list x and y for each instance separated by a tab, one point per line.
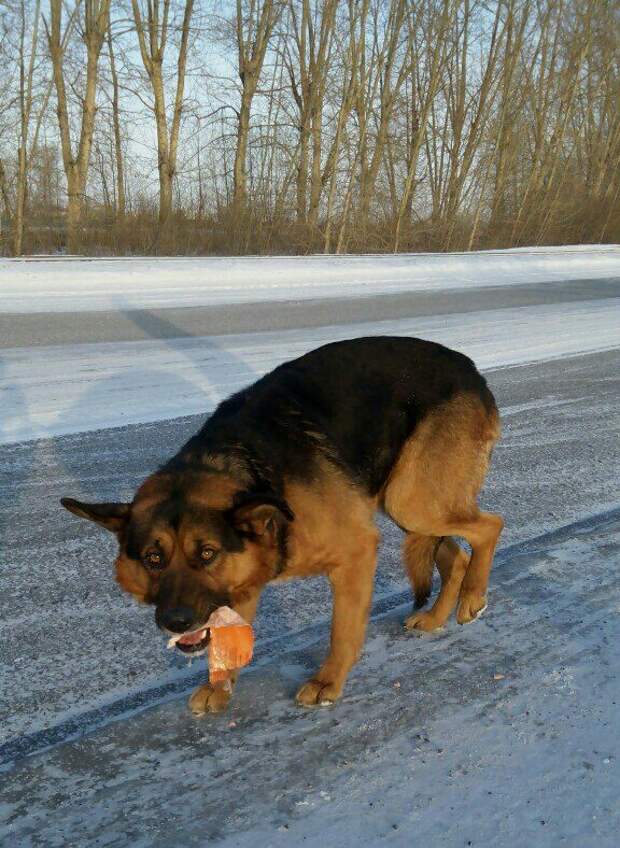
214	698
352	593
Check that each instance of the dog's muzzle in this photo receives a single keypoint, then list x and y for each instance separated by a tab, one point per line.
188	634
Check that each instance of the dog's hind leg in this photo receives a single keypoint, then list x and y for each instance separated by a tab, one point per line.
419	560
433	490
452	562
482	533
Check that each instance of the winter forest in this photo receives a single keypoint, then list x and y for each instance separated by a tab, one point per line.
301	126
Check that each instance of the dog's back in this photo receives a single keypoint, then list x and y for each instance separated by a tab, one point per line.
358	400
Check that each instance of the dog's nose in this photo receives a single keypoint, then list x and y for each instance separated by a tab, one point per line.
177	620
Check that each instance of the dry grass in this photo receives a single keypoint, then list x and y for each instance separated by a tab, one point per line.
256	233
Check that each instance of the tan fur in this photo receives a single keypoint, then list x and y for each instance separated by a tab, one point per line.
131	576
419	560
334	533
442	467
452	562
433	490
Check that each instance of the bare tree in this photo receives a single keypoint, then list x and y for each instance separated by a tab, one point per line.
26	73
354	75
95	24
512	100
554	179
152	25
378	93
254	27
308	65
116	123
27	106
4	192
468	113
7	81
424	92
360	124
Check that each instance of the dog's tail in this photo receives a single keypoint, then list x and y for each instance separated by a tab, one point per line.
419	557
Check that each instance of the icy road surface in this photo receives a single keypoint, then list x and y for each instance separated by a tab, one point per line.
504	733
501	734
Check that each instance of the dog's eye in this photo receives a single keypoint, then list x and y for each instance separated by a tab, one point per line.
153	559
207	553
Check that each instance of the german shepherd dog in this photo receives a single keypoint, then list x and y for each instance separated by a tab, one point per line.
283	481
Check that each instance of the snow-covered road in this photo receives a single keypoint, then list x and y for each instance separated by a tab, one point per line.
503	734
50	391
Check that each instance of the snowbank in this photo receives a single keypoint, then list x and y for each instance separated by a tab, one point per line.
77	284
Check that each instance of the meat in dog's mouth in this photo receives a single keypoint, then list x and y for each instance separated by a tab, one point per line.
190	643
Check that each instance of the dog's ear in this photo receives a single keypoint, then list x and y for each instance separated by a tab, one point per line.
260	515
112	516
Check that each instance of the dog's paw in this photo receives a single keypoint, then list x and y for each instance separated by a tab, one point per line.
423	621
209	699
318	693
471	606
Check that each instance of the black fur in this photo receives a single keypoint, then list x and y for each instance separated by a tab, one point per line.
354	401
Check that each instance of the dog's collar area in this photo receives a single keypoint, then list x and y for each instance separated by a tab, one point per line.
282	560
280	568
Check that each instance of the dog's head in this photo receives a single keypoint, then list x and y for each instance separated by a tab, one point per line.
188	547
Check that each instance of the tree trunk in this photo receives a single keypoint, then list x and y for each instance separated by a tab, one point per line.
241	153
163	147
301	192
25	103
96	19
316	183
251	49
74	211
118	141
5	195
165	194
152	51
20	201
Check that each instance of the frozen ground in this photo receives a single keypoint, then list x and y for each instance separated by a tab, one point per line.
503	734
96	743
56	285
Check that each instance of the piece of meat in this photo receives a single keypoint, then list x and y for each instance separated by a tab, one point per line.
231	644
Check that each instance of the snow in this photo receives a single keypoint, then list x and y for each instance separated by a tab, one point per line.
57	390
76	284
503	733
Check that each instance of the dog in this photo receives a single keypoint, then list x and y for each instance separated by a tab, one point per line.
284	479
